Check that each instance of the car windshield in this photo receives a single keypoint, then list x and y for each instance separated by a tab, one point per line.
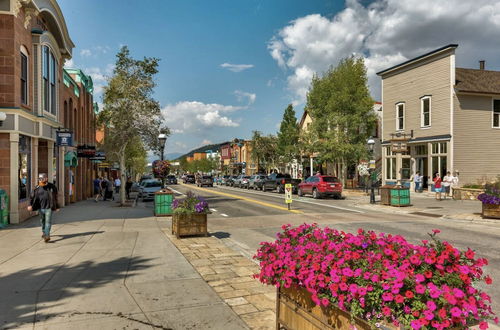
330	179
262	177
247	177
152	184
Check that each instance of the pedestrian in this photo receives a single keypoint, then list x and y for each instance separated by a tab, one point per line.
454	181
118	183
417	179
97	188
438	188
128	187
44	200
104	188
446	184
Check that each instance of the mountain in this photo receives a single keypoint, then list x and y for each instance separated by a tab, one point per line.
213	147
173	155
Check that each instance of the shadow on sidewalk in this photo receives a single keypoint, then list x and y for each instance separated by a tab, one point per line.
37	294
63	237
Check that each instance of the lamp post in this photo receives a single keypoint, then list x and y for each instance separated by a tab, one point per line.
371	145
162	138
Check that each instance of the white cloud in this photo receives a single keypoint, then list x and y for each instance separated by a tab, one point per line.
244	96
236	67
99	77
385	32
206	142
69	64
198	117
85	53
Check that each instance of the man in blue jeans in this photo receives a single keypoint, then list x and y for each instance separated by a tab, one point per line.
44	200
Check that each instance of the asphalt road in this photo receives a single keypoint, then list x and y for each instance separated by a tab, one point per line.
243	219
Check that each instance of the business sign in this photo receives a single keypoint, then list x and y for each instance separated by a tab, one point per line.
288	193
104	165
64	139
85	151
99	155
399	147
372	164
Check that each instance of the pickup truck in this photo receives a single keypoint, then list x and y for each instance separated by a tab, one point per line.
277	181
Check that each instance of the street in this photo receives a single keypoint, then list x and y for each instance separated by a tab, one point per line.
243	223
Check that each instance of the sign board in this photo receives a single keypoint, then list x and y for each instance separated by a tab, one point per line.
288	193
85	151
99	155
64	139
399	147
372	164
104	165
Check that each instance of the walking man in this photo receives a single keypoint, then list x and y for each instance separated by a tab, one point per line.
97	189
118	183
417	178
44	200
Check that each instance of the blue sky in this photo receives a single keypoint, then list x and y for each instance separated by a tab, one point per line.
230	67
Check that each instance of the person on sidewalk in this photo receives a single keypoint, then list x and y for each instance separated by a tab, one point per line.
417	179
438	188
104	188
44	200
97	189
447	180
454	182
118	183
128	187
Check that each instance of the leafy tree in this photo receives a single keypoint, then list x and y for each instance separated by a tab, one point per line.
342	111
136	157
183	164
129	110
288	136
264	150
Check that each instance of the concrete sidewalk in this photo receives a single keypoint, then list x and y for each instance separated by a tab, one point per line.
106	268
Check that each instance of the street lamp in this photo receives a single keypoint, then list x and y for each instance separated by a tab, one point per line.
162	138
371	145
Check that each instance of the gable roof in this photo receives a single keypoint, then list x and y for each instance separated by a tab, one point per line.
477	81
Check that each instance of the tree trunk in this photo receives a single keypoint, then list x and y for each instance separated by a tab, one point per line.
123	177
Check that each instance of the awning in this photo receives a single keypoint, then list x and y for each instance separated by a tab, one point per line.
70	159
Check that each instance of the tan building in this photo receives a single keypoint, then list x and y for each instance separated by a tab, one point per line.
199	155
453	115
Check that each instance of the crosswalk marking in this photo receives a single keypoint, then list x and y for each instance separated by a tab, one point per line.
224	215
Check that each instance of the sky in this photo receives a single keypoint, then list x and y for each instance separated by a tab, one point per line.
231	67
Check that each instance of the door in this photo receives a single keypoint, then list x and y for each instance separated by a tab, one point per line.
422	167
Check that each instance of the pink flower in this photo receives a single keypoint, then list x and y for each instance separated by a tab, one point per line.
353	288
347	272
361	291
419	278
386	311
325	302
420	289
436	231
458	293
456	312
386	296
416	324
483	325
431	305
428	315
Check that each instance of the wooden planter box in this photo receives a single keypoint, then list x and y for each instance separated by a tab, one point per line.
189	224
491	211
295	310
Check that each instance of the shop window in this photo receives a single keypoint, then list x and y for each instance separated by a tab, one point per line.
439	165
24	169
4	5
421	150
390	168
496	113
24	79
406	169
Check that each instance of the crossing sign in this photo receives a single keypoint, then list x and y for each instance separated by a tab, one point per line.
288	193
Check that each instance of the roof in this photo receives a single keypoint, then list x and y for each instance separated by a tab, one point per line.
436	51
477	81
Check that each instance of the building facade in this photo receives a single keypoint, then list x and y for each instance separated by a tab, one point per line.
452	116
34	44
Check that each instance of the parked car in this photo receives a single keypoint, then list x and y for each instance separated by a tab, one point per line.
237	181
171	179
136	187
277	181
223	179
230	180
189	178
244	181
256	181
321	185
205	180
148	189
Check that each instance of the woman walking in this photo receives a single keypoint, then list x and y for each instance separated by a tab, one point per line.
438	188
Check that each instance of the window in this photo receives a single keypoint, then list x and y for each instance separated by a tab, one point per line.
400	116
439	158
49	78
496	113
24	79
421	150
24	169
425	119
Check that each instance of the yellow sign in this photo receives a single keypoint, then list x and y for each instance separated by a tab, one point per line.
288	193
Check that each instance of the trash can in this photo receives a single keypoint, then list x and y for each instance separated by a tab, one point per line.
400	196
163	202
4	208
385	194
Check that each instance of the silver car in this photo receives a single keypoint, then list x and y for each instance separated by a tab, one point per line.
148	189
256	181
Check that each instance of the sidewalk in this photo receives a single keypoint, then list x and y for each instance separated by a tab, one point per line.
106	268
425	204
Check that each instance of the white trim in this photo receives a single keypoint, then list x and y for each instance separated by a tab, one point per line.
397	116
422	124
452	124
493	113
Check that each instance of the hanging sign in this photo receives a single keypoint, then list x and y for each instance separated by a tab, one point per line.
99	155
85	151
64	139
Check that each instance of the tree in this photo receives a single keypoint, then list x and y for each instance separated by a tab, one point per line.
264	150
136	157
184	164
129	109
288	136
342	111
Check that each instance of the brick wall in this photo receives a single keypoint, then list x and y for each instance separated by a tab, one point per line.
5	162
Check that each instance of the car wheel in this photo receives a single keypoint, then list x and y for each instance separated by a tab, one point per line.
300	193
315	193
280	190
262	188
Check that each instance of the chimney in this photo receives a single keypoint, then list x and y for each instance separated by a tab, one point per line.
481	65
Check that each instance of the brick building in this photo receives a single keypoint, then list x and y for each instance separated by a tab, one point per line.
34	44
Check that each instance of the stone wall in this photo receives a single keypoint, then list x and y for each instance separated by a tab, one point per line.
466	193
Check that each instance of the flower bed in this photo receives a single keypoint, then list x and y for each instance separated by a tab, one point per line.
380	278
190	216
491	200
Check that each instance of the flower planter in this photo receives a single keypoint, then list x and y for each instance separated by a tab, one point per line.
491	211
189	224
295	310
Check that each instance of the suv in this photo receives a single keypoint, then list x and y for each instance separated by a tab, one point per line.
321	185
189	178
256	181
205	180
148	189
171	179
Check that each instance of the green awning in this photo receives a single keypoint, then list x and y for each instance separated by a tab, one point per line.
70	159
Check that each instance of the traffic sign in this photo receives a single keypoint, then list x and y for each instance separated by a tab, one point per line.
288	193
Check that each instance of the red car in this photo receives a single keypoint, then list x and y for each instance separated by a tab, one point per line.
321	185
